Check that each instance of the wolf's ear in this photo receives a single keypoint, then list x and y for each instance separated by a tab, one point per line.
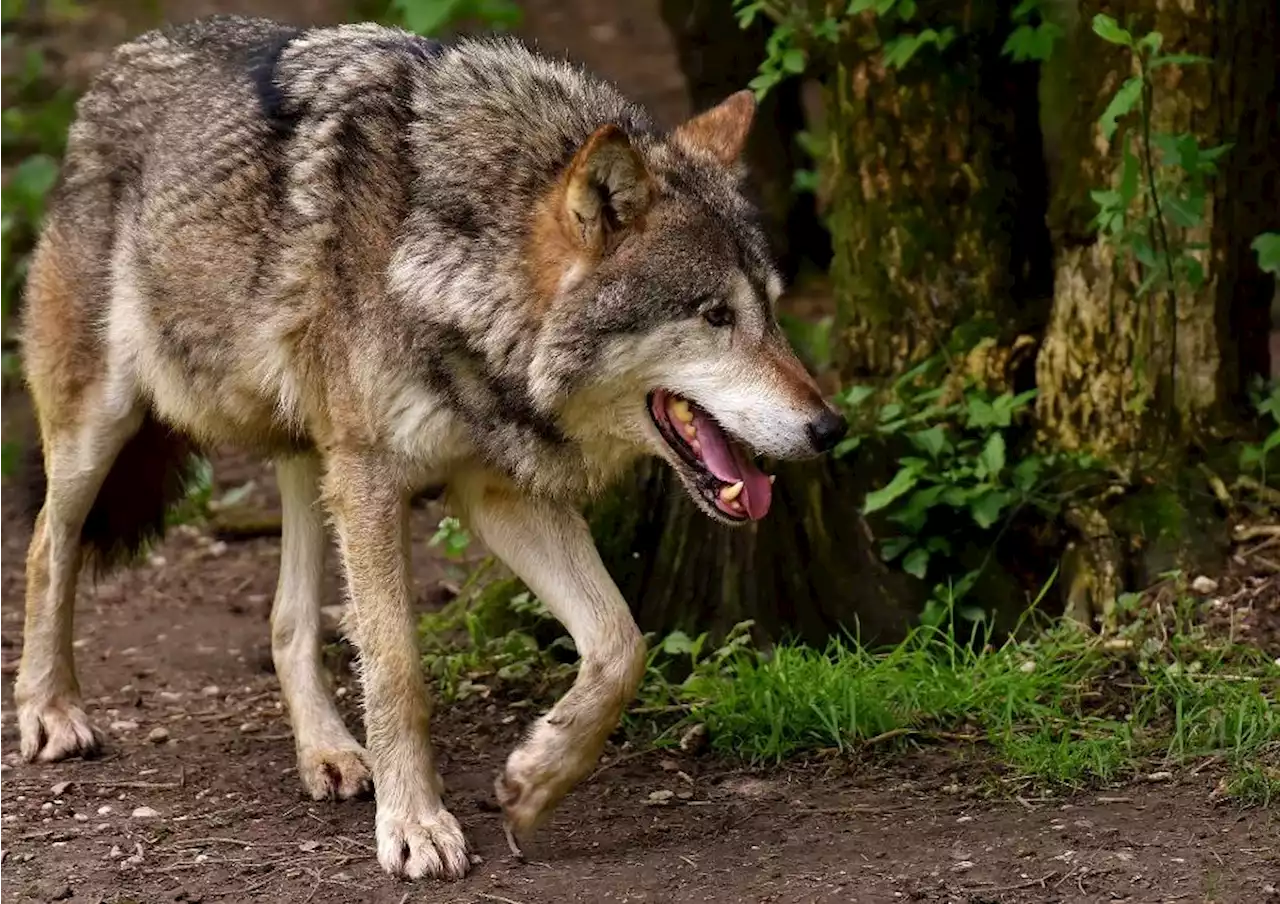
607	188
721	131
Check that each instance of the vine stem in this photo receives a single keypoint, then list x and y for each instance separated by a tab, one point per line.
1148	100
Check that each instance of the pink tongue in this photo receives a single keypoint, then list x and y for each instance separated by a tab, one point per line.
728	462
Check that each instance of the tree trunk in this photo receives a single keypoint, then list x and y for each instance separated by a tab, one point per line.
1134	379
937	193
898	146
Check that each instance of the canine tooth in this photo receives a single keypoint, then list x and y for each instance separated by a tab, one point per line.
772	478
680	408
690	431
731	492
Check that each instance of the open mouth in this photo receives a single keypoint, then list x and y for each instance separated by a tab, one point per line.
723	471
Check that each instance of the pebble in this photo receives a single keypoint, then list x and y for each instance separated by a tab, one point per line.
210	690
308	846
170	696
116	853
124	725
144	813
104	809
61	893
661	796
60	789
81	817
46	807
1204	585
250	727
158	735
963	866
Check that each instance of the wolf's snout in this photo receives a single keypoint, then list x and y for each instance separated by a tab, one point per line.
827	429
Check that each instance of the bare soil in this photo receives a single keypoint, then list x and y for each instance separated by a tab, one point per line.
180	644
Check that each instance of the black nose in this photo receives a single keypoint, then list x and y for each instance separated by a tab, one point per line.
827	430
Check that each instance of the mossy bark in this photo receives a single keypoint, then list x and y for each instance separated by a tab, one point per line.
1138	380
936	192
936	208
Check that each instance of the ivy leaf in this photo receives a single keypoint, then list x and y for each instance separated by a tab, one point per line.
902	482
1110	31
916	563
1267	247
1120	106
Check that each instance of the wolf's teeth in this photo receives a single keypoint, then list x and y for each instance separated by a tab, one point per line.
731	492
695	446
680	409
690	431
772	478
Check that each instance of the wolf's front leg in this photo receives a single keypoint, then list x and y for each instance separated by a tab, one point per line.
550	548
416	835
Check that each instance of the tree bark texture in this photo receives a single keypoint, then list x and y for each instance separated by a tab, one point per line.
937	193
1121	375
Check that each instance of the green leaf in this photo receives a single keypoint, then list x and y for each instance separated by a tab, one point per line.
1120	106
992	457
1185	212
677	643
1109	30
860	6
916	563
846	445
1129	176
902	482
893	547
1192	269
913	514
931	441
793	61
986	509
906	10
1027	472
854	396
1179	59
1152	40
1032	42
1267	247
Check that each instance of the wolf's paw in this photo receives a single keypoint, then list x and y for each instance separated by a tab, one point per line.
533	782
431	844
335	773
56	729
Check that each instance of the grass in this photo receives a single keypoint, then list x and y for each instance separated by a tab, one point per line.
1062	707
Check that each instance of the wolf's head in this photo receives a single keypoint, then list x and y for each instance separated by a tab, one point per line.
659	323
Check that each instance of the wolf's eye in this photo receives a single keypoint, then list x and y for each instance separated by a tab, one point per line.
720	315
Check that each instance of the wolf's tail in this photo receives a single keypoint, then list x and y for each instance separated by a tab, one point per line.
149	476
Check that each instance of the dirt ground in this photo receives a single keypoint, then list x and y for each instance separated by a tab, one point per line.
196	798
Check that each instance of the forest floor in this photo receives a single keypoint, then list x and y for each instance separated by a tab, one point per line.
196	796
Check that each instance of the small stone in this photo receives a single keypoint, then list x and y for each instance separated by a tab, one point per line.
1160	777
60	789
694	738
963	866
115	853
308	846
963	819
684	795
46	807
81	817
158	735
144	813
1204	585
218	548
170	696
210	690
1027	667
661	796
61	893
250	727
104	809
124	725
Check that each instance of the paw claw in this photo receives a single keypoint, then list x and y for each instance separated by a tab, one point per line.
335	774
431	845
56	730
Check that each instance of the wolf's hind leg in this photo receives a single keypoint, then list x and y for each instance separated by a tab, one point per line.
331	763
550	547
78	456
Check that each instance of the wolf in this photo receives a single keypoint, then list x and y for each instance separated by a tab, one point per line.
388	263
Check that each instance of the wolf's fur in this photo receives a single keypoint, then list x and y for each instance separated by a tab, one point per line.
388	263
